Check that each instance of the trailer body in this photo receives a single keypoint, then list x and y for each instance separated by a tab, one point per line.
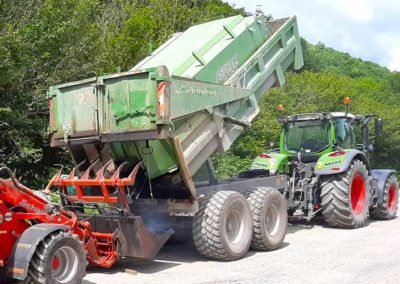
182	120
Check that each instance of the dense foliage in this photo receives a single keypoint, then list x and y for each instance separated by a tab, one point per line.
47	42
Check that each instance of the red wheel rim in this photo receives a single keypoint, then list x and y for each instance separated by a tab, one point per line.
55	263
358	194
392	197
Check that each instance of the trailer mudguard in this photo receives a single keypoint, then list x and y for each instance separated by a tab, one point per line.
339	161
381	177
25	247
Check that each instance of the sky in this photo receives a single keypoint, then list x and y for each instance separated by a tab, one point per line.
366	29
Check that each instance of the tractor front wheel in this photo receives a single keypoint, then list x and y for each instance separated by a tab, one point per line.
388	208
345	197
58	259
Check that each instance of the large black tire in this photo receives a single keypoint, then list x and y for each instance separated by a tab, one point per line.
222	228
388	209
59	258
345	197
269	210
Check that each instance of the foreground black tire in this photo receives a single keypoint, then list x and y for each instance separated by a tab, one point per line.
222	228
388	209
345	197
59	258
269	210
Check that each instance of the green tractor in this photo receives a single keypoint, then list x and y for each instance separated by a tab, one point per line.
329	173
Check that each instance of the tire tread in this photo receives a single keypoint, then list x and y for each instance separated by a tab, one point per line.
37	269
381	212
257	201
336	198
207	225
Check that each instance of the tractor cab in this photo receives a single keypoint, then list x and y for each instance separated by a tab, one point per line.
315	134
312	137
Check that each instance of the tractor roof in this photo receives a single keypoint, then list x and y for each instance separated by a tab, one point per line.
342	114
318	116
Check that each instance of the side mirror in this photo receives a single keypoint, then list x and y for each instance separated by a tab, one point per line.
379	127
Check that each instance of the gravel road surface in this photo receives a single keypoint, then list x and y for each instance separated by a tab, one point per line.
312	253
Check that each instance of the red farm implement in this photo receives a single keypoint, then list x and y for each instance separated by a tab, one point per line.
49	233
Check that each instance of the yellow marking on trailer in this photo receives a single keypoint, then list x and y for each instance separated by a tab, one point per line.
22	245
16	270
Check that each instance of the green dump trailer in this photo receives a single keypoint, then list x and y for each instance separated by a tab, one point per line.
191	98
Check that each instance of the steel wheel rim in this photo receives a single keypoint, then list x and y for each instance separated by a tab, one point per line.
392	197
358	193
234	225
64	264
272	220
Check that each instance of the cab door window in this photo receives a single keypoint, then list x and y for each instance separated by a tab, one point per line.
344	133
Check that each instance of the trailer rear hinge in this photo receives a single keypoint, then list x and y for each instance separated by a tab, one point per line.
162	78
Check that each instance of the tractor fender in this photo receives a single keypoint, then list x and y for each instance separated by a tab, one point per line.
25	247
381	177
274	162
331	165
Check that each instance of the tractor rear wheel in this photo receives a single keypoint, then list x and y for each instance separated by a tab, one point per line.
269	210
58	259
388	209
345	197
222	228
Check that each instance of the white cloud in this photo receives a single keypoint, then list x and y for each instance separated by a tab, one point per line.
357	10
394	62
390	42
355	26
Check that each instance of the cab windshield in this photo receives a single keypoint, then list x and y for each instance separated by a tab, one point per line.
306	136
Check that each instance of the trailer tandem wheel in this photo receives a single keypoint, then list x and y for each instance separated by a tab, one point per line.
269	210
222	228
58	259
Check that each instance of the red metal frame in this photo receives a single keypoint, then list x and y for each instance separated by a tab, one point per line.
107	185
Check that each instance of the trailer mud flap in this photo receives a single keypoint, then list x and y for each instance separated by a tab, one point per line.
25	247
135	239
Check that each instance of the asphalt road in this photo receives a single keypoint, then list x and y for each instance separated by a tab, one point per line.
312	253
